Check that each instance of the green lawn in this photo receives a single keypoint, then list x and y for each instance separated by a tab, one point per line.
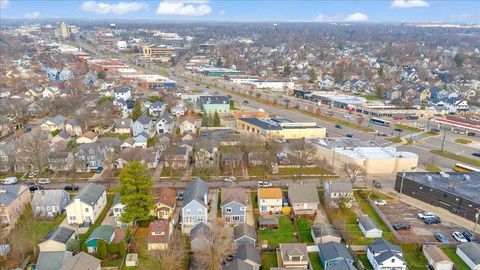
44	226
284	234
257	171
315	261
415	260
395	139
366	264
84	236
371	97
175	173
303	226
463	159
305	171
432	167
459	263
122	137
409	128
269	260
379	196
361	199
348	220
463	141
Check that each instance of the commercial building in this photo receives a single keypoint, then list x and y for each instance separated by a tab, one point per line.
218	72
369	155
454	191
281	128
160	53
150	81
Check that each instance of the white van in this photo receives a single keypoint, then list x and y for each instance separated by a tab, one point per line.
9	180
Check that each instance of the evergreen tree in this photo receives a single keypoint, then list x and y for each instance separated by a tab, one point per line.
210	120
312	73
216	120
458	59
73	246
135	192
137	110
380	72
204	120
232	104
101	75
287	70
102	252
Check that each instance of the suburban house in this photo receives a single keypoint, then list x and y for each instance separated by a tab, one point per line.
333	254
7	157
270	200
143	124
339	192
470	254
53	123
104	233
453	104
178	110
48	260
87	205
436	258
157	108
82	261
159	235
165	123
303	198
245	233
248	254
187	125
13	199
206	156
90	156
123	125
165	200
149	156
178	158
384	255
74	128
294	255
200	237
324	233
56	239
49	202
61	137
141	140
61	161
233	205
369	227
195	204
128	143
88	137
117	209
123	93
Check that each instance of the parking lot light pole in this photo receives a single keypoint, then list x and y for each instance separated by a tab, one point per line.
443	140
477	216
401	185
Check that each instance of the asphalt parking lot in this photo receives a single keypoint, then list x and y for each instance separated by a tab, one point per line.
397	211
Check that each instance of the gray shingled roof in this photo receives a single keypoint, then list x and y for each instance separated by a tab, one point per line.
234	195
144	120
9	193
196	191
90	193
237	264
387	255
246	251
201	229
303	193
333	250
341	265
367	223
472	250
81	261
59	234
324	229
47	197
381	245
341	186
52	260
244	230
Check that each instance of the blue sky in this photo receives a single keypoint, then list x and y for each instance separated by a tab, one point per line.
249	10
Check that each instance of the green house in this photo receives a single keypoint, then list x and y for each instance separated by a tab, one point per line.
101	233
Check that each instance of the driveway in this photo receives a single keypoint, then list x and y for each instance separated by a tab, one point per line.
250	219
213	195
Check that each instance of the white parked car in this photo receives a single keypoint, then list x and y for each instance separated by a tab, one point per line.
424	215
32	173
230	179
44	181
459	237
380	202
9	180
347	116
264	184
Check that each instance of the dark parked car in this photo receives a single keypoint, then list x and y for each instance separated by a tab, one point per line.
180	196
34	187
398	129
296	106
432	220
469	236
350	135
381	134
401	226
435	130
197	84
477	154
377	184
71	187
471	133
338	126
441	238
246	101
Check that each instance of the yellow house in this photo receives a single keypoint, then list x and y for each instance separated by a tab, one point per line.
165	200
270	200
281	128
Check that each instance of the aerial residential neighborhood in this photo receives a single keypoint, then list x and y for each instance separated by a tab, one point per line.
239	135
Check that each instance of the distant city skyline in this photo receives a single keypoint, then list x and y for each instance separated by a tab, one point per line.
408	11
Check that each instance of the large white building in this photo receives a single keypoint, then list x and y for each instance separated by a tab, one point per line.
87	205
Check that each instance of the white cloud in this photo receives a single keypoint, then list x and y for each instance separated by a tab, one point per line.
184	8
119	8
4	3
32	15
356	17
319	18
461	16
409	3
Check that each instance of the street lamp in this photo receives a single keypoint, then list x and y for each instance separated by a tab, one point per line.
477	216
401	185
428	122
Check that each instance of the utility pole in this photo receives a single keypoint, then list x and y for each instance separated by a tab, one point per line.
477	216
401	186
443	140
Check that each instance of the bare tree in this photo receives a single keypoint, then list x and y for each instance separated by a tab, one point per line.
221	246
34	150
173	257
305	152
353	172
360	119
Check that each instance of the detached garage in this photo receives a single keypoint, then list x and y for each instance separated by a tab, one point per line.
369	228
470	254
436	258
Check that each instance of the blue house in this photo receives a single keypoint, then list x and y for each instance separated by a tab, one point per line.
141	140
234	205
157	108
143	124
333	254
195	204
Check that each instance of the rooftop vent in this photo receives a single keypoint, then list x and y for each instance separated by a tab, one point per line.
466	177
444	174
429	178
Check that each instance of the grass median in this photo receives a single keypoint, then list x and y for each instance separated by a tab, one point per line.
409	128
456	157
463	141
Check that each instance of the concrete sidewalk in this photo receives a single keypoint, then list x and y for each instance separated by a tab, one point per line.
441	212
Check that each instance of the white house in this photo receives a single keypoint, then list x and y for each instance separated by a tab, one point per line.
56	239
165	124
156	108
117	209
368	227
384	255
187	125
339	192
270	200
178	110
436	258
87	205
123	93
470	254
